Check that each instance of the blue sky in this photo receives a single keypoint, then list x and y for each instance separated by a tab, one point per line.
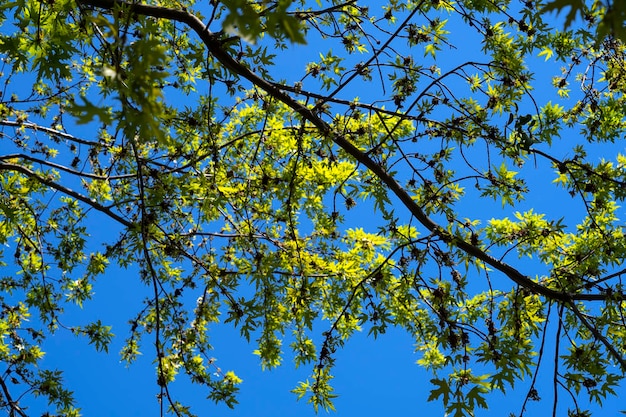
372	376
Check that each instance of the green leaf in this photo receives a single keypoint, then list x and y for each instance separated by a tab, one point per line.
575	7
442	389
87	112
547	52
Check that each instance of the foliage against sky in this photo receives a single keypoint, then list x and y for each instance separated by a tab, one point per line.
609	22
381	184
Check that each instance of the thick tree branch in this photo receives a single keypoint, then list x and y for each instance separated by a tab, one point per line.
215	47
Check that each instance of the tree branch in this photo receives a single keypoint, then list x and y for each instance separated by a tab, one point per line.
596	333
4	166
15	408
214	47
48	131
64	168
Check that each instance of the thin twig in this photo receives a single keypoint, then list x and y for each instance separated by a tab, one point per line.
599	336
4	166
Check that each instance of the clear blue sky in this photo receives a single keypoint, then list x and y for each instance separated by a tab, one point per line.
373	377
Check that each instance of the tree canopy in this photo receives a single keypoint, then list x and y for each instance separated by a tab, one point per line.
306	170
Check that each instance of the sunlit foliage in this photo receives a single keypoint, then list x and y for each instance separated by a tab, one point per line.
306	170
